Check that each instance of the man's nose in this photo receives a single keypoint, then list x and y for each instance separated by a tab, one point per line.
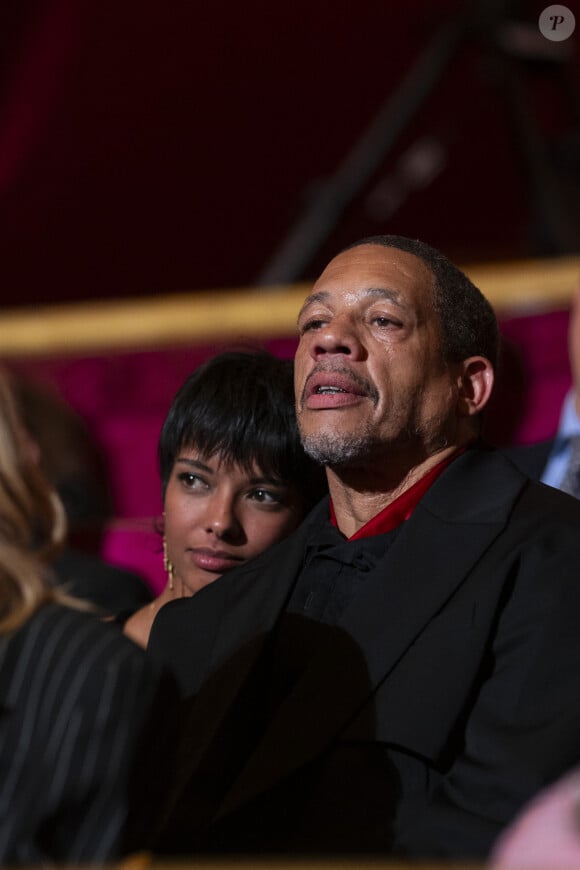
339	336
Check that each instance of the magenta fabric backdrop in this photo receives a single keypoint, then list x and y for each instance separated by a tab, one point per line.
124	398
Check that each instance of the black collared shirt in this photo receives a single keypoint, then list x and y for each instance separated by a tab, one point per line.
334	571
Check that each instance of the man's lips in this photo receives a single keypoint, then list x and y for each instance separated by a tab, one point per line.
333	389
213	560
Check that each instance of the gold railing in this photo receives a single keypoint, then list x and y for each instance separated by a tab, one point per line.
222	315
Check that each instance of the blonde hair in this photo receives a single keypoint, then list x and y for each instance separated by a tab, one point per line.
32	521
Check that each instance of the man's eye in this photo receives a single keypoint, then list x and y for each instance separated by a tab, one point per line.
314	323
382	320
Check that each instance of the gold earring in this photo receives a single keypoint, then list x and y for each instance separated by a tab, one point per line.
167	566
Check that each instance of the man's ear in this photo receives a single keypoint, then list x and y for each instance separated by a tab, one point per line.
475	385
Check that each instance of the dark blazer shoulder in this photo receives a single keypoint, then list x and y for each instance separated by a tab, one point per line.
53	629
110	588
479	484
531	459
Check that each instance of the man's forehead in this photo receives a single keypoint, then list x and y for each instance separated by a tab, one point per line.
375	264
371	250
372	270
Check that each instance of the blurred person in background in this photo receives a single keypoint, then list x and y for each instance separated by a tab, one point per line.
80	705
556	461
546	834
75	466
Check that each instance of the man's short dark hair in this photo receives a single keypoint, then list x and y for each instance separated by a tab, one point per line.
241	405
468	322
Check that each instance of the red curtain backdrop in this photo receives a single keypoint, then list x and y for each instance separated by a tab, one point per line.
150	147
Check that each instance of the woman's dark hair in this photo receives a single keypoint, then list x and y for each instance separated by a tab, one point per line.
241	405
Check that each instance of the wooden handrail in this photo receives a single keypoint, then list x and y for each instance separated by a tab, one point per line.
197	318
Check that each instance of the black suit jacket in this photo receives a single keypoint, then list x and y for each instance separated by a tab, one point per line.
447	696
110	588
530	458
85	721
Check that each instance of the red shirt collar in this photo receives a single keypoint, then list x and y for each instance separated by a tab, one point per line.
399	510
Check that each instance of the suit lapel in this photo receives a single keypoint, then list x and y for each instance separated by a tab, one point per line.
430	559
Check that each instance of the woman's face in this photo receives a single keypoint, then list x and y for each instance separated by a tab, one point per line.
219	515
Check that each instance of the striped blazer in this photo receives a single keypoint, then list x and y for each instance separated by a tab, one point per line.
78	703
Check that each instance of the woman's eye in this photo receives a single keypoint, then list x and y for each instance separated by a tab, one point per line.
265	496
191	481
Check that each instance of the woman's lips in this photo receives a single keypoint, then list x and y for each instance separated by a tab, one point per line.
213	560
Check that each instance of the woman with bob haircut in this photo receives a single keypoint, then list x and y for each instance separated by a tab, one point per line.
77	699
234	476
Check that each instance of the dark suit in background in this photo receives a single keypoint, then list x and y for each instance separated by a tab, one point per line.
111	589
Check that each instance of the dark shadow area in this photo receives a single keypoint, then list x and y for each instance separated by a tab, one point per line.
509	401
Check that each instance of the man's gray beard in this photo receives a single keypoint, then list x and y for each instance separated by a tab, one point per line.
332	448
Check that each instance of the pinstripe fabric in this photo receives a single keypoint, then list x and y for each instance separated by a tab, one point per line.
74	698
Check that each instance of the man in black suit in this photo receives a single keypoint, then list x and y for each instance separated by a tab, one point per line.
401	674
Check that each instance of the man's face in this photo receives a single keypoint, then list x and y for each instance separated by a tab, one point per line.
369	371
